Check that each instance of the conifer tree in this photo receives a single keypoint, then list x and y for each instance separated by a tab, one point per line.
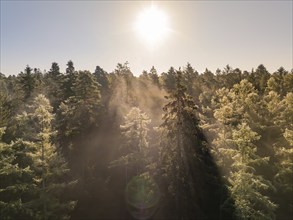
5	109
284	154
239	110
15	180
79	114
189	76
53	84
153	75
49	165
50	171
187	166
246	186
102	78
27	82
169	79
68	80
135	147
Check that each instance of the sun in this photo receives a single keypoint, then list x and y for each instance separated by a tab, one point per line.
152	25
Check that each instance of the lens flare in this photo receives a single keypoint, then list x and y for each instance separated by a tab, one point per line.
142	195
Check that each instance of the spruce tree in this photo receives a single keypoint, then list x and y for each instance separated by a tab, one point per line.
135	147
169	79
68	80
187	166
79	115
27	82
5	109
240	113
49	168
284	154
16	180
246	185
49	165
53	85
102	78
153	75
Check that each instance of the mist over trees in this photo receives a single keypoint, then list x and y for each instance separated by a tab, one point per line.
174	145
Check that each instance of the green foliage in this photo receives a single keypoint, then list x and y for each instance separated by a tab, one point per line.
168	80
15	180
28	82
5	109
185	161
283	149
259	78
246	186
237	153
68	80
104	85
247	118
53	81
80	113
135	146
35	173
153	75
285	166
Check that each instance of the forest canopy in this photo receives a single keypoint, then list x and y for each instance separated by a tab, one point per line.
174	145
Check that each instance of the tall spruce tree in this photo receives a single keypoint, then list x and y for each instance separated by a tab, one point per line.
33	174
187	166
246	185
239	113
49	168
79	115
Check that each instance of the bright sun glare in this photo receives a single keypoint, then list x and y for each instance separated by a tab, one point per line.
152	25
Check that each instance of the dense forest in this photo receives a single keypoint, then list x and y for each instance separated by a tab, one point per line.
174	145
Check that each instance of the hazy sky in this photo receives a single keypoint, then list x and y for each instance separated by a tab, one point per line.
208	34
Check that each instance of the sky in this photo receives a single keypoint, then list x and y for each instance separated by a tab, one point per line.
207	34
